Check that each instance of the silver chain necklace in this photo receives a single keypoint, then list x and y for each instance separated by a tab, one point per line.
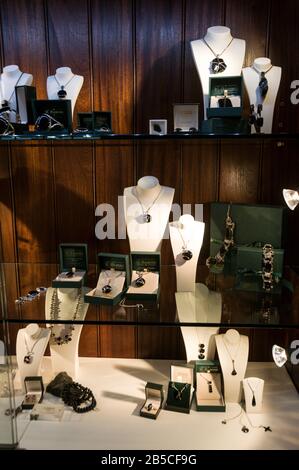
5	102
232	358
253	390
147	218
62	92
28	358
217	65
65	334
107	288
186	254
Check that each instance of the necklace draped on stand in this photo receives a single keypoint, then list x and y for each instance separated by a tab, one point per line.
179	391
5	104
146	217
28	358
65	335
232	357
253	401
186	254
263	83
217	65
62	92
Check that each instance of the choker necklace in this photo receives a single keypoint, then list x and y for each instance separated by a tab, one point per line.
263	83
253	402
5	103
209	382
217	65
62	92
179	391
28	358
107	288
147	218
186	254
65	335
232	358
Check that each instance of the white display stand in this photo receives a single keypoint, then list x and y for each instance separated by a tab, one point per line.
31	339
65	356
147	236
200	306
218	37
252	78
11	77
253	392
232	346
65	77
187	234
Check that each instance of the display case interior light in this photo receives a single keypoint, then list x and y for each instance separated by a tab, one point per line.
291	197
279	355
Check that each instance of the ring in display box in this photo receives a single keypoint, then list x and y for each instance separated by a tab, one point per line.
154	396
114	279
185	117
180	388
145	280
73	265
34	388
209	386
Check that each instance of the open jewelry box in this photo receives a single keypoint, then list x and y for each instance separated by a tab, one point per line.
113	280
34	388
154	396
209	386
73	265
145	280
180	388
225	97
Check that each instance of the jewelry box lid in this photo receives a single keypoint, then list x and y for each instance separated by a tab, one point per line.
184	372
73	255
34	384
116	261
150	386
207	366
233	84
146	260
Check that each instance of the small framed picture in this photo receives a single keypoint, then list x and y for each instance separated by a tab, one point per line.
185	117
158	126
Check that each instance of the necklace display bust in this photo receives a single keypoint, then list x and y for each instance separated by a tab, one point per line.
65	356
147	207
252	78
186	236
233	350
219	40
30	348
11	77
200	306
64	79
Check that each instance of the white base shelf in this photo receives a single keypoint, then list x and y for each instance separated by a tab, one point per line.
118	385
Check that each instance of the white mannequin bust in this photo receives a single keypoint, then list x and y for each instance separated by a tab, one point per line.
186	235
230	49
253	391
11	77
252	77
147	199
71	83
31	345
65	356
233	351
200	306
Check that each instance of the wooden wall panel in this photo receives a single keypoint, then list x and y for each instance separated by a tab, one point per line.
89	341
158	60
118	341
7	242
239	171
200	16
113	65
69	43
24	39
34	202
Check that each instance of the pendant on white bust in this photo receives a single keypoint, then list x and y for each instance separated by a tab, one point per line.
147	218
187	254
217	65
28	359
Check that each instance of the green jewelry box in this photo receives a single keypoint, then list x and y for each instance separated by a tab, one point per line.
180	388
140	261
153	393
110	261
34	388
225	125
209	396
72	255
234	87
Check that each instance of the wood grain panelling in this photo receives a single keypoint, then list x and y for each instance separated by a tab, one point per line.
158	60
112	39
284	44
118	341
34	203
89	340
200	16
249	20
158	342
114	172
7	242
239	171
263	341
74	195
69	43
24	39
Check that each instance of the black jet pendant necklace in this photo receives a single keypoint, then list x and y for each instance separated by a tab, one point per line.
217	65
62	92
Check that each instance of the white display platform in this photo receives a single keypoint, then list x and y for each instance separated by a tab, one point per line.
119	384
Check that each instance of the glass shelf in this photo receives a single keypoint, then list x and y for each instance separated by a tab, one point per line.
239	308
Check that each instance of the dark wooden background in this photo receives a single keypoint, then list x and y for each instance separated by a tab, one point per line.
136	61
